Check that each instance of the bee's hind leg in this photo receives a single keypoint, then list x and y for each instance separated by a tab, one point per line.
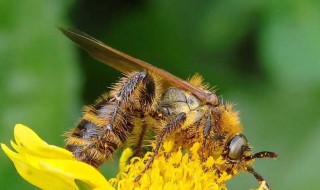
142	83
141	136
173	125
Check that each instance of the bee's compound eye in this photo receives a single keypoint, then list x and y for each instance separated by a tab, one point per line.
236	147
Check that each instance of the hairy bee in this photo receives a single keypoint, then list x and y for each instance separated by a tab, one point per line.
151	99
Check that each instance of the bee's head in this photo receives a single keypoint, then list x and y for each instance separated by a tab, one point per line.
239	151
236	148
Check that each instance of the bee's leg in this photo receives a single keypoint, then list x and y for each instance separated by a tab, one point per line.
142	82
173	125
263	154
210	130
140	138
123	91
259	178
207	127
206	131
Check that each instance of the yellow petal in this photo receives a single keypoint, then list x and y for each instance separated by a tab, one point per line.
125	156
50	167
70	169
29	142
35	176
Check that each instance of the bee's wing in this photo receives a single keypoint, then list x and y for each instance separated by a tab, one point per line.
104	53
126	63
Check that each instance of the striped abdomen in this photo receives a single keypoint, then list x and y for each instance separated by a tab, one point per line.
91	141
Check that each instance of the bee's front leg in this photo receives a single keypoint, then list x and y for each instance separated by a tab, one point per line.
259	178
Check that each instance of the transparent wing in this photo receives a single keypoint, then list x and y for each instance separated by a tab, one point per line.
125	63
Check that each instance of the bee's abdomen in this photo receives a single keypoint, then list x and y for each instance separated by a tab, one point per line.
86	130
92	142
83	144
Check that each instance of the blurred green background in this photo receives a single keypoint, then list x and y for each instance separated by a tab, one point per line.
262	55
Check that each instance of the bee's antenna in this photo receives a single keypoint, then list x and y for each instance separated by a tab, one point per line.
259	178
263	154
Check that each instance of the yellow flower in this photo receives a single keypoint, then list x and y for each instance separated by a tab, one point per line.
171	170
50	167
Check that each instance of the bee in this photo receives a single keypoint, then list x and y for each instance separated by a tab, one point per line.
150	99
